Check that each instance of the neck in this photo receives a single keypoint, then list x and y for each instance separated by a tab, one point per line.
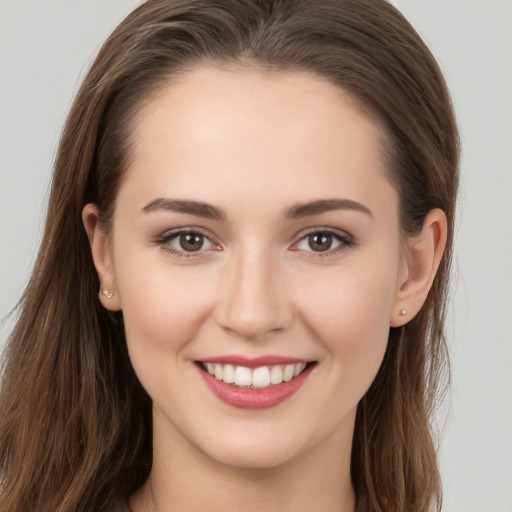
184	479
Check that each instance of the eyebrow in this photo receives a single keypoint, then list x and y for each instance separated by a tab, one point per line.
319	206
297	211
184	206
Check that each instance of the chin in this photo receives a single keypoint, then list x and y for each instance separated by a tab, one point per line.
258	447
253	457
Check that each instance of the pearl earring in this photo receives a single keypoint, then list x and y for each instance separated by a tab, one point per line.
403	312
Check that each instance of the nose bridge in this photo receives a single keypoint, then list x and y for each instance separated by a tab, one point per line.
254	300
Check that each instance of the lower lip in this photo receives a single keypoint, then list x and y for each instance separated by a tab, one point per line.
249	398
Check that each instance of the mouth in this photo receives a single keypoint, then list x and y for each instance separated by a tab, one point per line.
261	377
254	384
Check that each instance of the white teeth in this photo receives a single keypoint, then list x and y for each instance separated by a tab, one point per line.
298	369
288	372
261	377
243	376
276	375
229	374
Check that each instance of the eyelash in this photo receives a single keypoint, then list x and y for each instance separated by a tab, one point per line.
164	240
345	242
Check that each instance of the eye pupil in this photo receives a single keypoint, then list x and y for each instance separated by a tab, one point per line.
191	242
320	241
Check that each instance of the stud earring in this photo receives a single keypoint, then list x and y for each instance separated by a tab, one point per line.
403	312
106	293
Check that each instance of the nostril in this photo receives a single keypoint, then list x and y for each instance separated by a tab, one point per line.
253	301
256	323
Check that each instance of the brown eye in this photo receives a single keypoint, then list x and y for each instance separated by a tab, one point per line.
327	242
191	242
186	242
320	242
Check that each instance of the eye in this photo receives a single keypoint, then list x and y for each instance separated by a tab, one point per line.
186	243
189	242
324	242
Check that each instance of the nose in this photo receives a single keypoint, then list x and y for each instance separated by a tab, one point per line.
254	298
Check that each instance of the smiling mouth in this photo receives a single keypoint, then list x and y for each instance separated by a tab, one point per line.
262	377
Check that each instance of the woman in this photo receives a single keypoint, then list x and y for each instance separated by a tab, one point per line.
240	294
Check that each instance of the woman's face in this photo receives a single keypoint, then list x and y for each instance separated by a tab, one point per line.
255	230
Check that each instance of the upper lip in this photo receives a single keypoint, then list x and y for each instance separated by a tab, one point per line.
254	362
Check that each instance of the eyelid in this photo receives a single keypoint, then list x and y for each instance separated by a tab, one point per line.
346	241
164	239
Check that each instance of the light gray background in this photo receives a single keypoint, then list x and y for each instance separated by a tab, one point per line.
45	48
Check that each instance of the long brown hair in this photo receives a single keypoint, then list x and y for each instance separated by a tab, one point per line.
75	423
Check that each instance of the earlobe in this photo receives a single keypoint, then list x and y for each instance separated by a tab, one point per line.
102	257
423	256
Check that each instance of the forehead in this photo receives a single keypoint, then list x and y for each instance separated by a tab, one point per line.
287	134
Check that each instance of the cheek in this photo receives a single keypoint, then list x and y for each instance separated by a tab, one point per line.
349	316
163	309
163	306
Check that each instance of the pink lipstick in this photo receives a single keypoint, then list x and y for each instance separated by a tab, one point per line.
254	383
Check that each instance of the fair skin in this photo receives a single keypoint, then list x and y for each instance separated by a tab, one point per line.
262	278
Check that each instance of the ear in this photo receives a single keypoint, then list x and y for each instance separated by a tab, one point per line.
102	257
422	257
